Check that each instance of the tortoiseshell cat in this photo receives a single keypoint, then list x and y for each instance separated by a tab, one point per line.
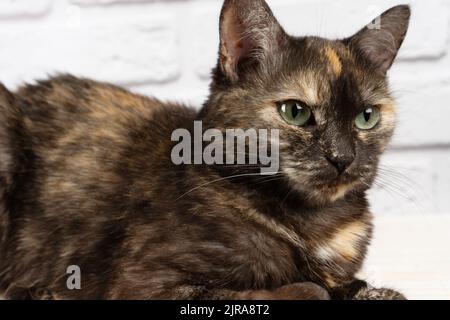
87	178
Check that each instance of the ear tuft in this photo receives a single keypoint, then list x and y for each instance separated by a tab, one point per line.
380	41
248	33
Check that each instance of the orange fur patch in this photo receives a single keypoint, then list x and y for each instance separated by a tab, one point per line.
334	60
344	243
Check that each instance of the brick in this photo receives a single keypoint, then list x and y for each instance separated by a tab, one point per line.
123	53
203	32
405	184
106	2
13	9
422	116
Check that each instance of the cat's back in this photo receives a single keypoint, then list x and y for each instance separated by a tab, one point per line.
92	141
71	117
59	111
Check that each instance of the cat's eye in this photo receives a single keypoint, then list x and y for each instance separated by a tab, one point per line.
368	119
295	112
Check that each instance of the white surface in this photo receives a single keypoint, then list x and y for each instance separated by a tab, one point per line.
411	253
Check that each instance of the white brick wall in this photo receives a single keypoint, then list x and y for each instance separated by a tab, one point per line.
166	48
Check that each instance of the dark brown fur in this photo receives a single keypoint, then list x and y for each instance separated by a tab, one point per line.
87	180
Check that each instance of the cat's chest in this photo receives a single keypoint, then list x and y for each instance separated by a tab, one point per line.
337	254
329	254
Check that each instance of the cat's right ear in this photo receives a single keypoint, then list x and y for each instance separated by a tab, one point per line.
249	34
380	41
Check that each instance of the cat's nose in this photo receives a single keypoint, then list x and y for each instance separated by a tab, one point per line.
341	163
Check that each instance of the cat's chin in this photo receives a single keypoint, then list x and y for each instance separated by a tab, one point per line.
338	191
328	193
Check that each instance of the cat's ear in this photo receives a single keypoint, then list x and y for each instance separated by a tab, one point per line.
380	41
249	33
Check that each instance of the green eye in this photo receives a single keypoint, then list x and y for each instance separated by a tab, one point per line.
295	112
368	119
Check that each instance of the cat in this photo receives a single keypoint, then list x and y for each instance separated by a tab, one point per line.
87	177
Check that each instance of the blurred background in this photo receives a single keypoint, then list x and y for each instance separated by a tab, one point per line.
166	48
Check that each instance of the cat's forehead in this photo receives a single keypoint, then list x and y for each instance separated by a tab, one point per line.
319	69
332	55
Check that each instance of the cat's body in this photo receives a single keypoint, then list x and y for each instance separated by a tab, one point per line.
108	203
88	180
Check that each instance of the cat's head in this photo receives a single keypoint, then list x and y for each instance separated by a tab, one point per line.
329	98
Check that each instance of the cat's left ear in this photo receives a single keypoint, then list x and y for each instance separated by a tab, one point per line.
249	33
380	41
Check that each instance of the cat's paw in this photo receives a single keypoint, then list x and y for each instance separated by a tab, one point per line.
378	294
296	291
302	291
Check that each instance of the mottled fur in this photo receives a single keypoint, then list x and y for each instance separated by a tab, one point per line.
87	179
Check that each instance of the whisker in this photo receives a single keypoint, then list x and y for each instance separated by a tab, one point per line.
219	180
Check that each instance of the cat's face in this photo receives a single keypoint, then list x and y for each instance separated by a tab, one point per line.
329	99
